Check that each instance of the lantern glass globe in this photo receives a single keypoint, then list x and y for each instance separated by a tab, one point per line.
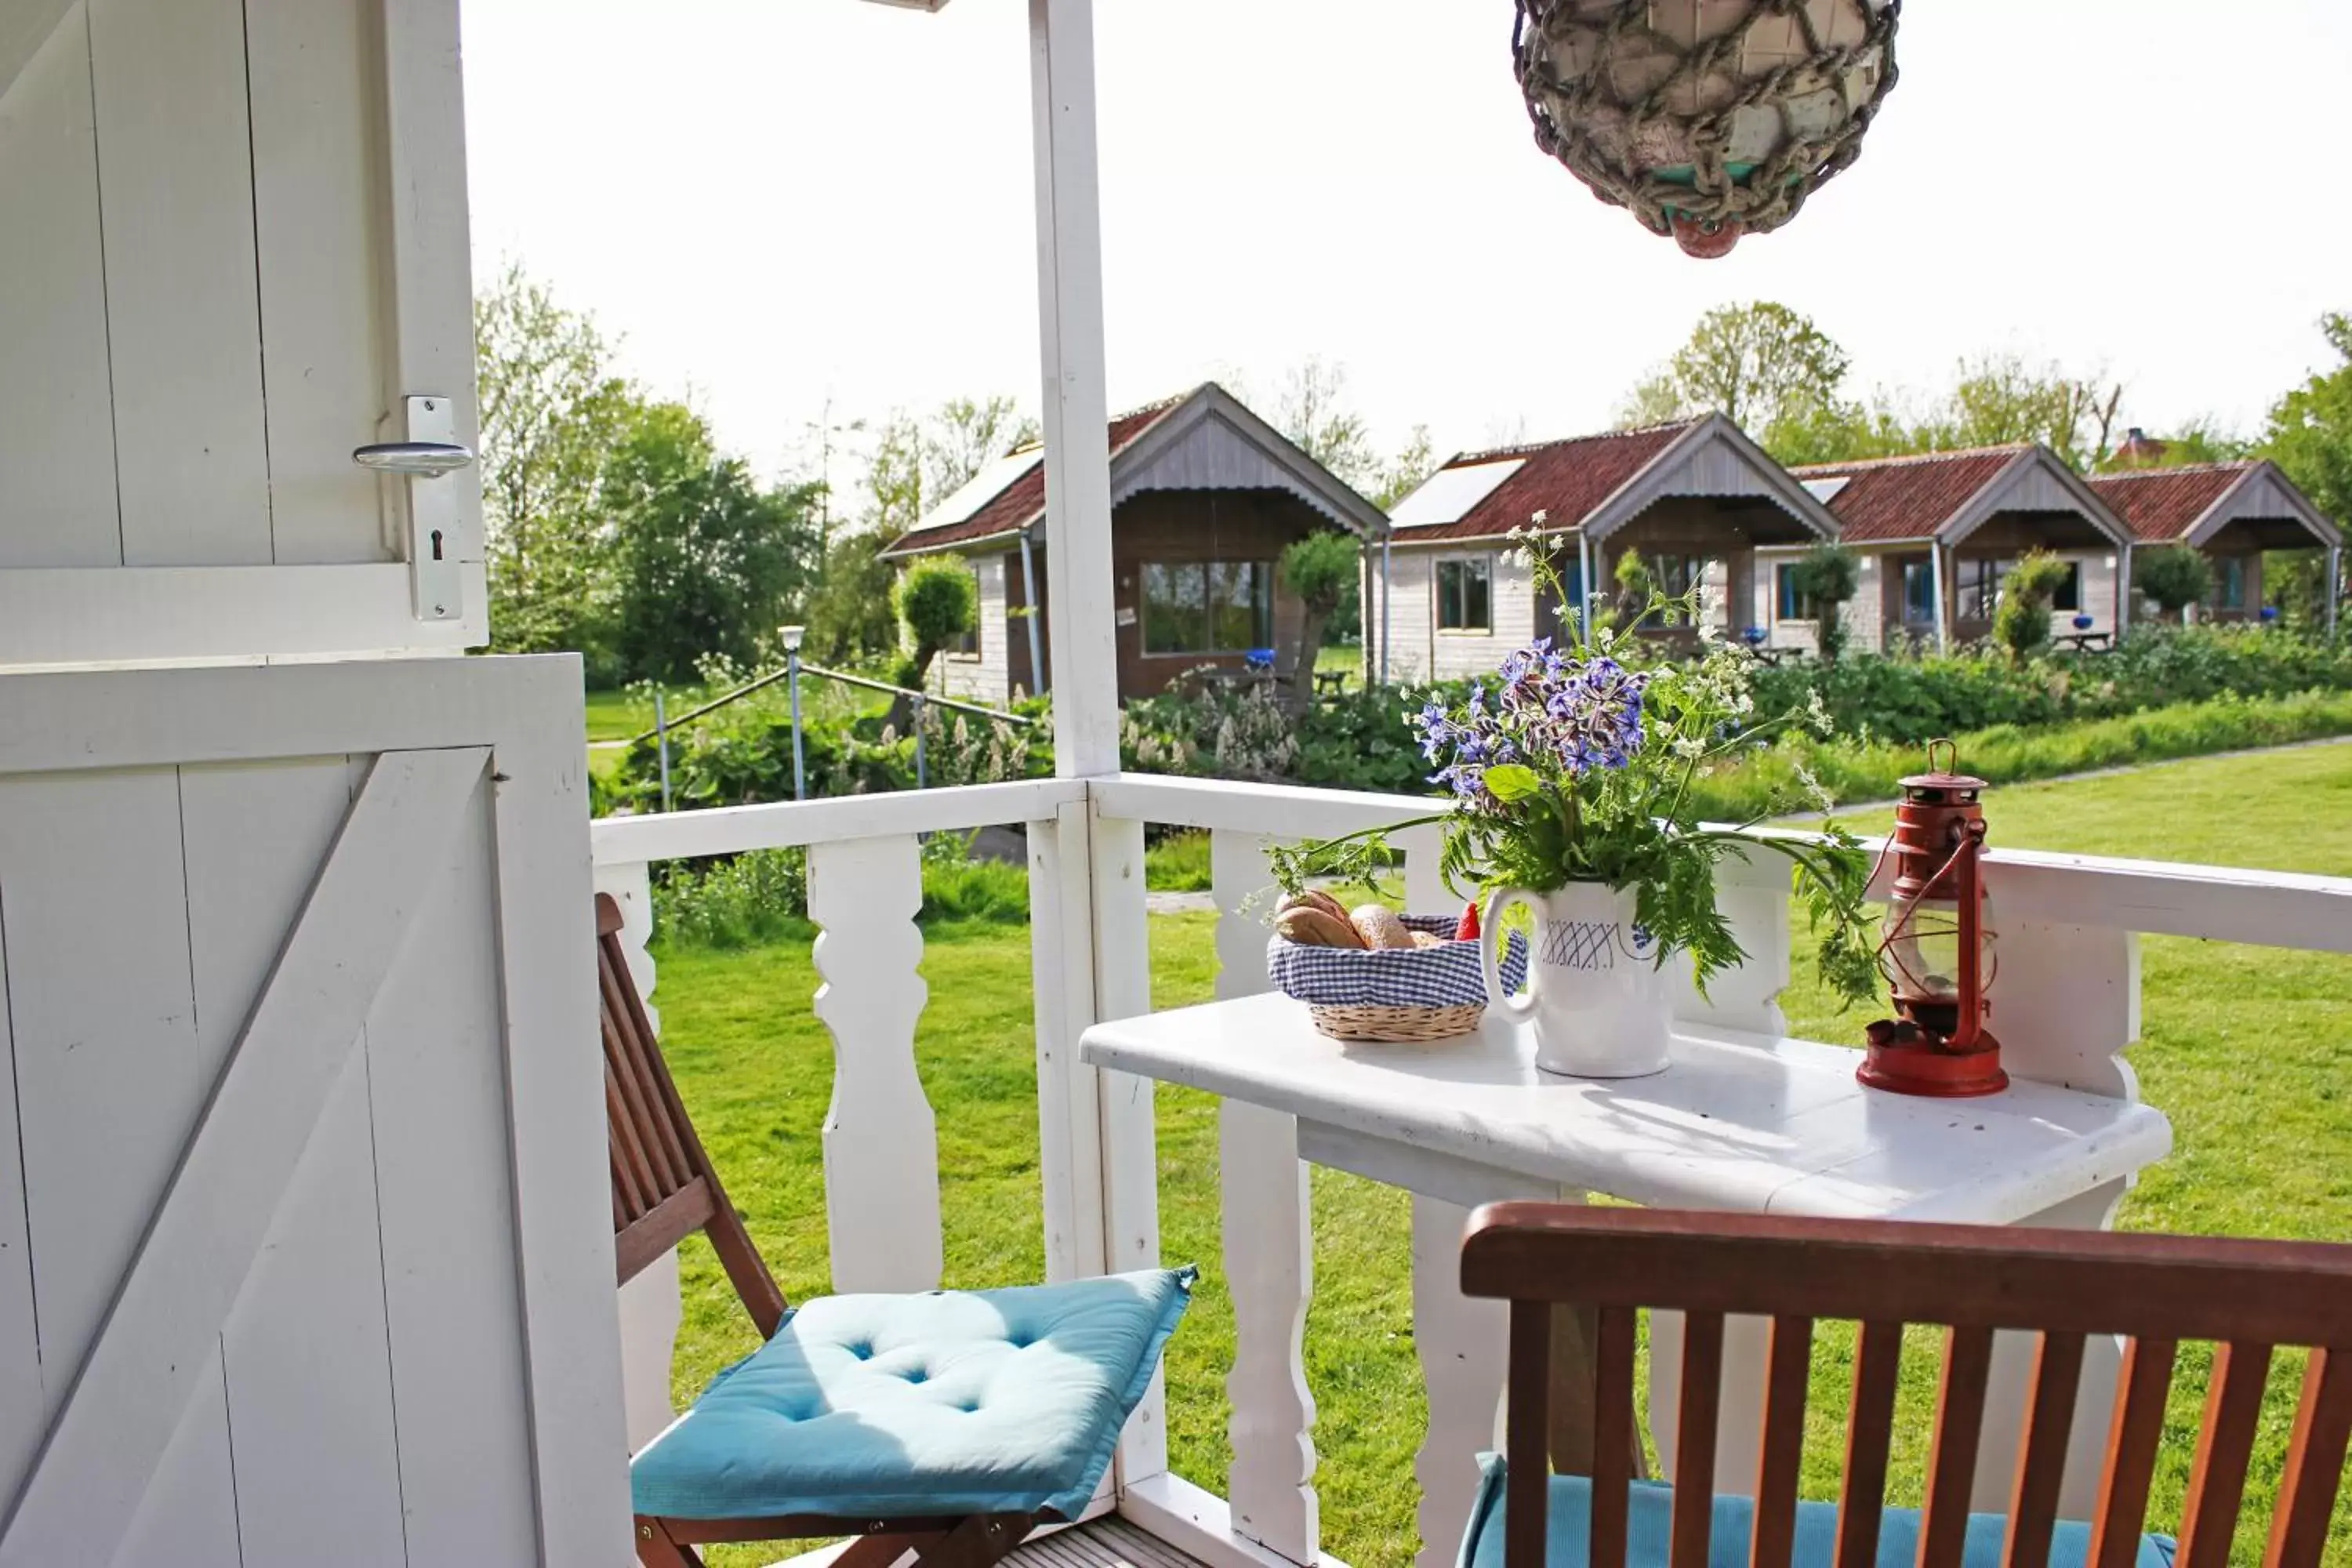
792	635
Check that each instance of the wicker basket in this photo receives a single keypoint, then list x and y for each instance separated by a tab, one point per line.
1407	994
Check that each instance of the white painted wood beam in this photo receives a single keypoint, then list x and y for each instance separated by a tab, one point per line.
25	27
152	1351
1076	410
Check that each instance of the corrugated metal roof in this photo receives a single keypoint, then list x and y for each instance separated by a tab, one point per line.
1021	500
2165	504
1566	481
1892	498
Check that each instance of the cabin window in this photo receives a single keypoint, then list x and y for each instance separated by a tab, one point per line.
1466	593
1208	607
2229	582
1795	605
1677	575
2069	597
1919	592
1978	581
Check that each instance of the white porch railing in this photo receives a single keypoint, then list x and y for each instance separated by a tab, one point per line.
2070	1000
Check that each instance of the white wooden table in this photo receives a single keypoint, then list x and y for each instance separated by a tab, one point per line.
1739	1122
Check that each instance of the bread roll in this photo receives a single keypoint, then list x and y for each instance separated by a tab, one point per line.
1380	926
1312	927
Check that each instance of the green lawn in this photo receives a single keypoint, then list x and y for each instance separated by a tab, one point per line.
2244	1049
624	715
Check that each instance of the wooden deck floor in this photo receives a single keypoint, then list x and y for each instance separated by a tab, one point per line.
1106	1543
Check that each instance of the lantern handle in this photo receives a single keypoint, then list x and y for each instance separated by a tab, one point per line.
1951	757
1969	855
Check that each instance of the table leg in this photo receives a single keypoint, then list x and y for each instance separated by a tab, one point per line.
2007	1388
1269	1272
1463	1344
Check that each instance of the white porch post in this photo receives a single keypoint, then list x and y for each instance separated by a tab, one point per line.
1037	680
1943	609
1097	865
2335	584
2123	588
1076	406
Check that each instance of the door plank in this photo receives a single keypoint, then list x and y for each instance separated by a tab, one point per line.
188	1518
309	1384
99	996
20	1342
544	903
437	1083
183	326
104	1444
319	191
57	412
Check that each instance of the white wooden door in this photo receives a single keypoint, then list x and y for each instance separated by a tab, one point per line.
233	246
305	1252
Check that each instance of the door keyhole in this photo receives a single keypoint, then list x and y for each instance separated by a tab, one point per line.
436	544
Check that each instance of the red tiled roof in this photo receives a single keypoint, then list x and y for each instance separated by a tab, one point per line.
2164	503
1907	497
1565	481
1023	501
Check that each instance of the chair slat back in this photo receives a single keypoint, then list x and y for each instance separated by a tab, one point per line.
664	1189
2249	1298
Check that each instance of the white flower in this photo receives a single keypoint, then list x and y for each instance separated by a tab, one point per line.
1689	746
1816	714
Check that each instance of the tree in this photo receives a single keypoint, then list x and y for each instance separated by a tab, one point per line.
1826	579
551	409
2021	623
1320	569
939	601
1761	365
2175	575
707	562
2310	431
914	463
2201	440
1312	412
1999	399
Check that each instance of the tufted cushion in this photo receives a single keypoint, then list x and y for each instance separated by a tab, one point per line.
1569	1531
931	1406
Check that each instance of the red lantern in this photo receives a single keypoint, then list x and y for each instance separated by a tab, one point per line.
1938	952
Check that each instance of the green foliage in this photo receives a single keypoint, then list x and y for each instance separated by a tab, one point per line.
706	562
1320	569
1178	863
1578	769
739	900
2175	575
1762	365
938	600
1827	578
849	613
2310	433
552	407
2021	623
1908	700
1850	773
2000	398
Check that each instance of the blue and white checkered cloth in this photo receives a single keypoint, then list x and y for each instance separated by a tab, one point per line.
1447	976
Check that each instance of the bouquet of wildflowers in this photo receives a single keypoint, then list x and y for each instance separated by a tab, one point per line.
1576	764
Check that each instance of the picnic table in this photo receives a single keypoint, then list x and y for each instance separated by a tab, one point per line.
2087	642
1332	682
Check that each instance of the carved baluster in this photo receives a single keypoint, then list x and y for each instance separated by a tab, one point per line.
1269	1247
881	1148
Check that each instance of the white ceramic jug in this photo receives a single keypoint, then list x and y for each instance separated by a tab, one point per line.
1601	1005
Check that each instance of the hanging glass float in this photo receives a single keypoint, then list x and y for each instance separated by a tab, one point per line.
1707	118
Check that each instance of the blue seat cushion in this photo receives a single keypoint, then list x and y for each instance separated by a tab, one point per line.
1568	1533
932	1406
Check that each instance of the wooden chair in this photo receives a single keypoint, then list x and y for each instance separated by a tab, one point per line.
665	1190
2155	1291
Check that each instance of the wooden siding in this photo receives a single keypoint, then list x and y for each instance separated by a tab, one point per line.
1198	525
1208	455
985	678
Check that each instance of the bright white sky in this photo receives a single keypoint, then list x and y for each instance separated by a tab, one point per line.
783	204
